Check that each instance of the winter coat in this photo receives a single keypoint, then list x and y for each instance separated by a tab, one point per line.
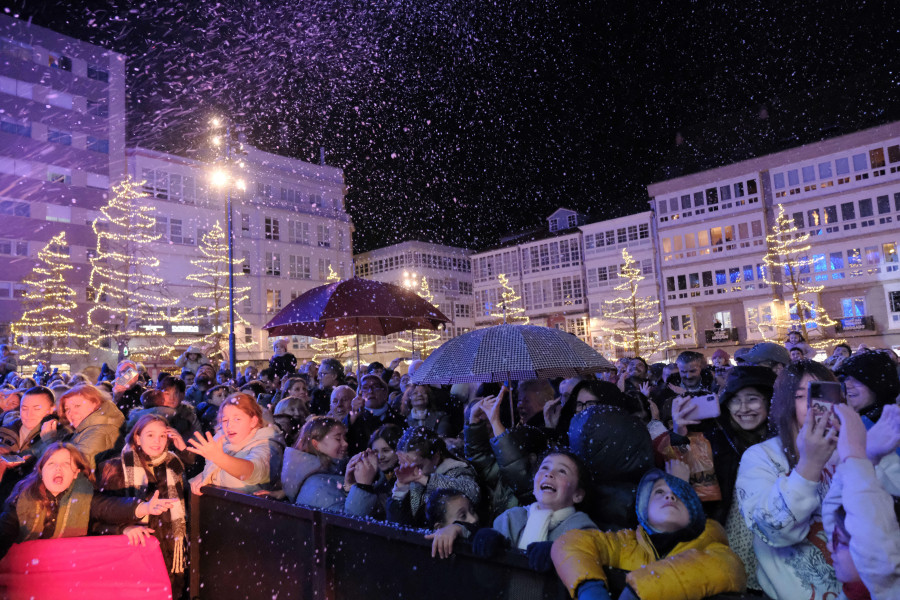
367	423
436	420
100	435
516	450
407	507
284	364
183	419
617	450
694	569
872	524
784	512
263	449
183	362
307	483
477	446
31	450
512	523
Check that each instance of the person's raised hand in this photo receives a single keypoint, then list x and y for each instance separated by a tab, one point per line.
176	438
207	446
395	363
366	468
679	469
682	409
552	411
407	473
154	506
816	442
49	429
476	413
884	437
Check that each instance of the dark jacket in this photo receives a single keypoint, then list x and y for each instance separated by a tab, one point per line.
477	446
31	450
516	450
359	432
306	482
286	364
617	450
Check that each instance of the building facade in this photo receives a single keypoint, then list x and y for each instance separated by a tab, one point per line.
290	227
447	271
712	230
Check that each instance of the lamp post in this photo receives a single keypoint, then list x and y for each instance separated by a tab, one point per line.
224	178
411	282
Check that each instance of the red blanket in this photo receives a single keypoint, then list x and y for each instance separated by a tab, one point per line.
100	567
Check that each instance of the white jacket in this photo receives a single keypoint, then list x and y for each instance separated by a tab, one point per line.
873	528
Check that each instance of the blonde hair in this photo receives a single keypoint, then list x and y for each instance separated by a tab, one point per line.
91	393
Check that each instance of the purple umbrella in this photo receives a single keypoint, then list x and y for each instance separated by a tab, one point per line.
355	307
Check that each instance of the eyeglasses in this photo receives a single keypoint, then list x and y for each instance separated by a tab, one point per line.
580	406
752	404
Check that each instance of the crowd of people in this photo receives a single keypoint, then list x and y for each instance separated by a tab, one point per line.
766	473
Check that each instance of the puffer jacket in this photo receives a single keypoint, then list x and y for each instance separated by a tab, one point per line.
516	450
100	435
695	569
477	438
617	450
306	483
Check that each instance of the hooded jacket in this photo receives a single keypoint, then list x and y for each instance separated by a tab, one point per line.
100	433
263	449
694	568
306	483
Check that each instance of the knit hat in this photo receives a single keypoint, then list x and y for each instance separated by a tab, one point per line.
744	376
681	488
767	351
721	354
876	371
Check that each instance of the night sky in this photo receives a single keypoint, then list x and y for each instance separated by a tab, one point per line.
456	122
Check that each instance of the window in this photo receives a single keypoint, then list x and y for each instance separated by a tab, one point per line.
825	170
894	301
177	233
271	229
9	126
893	154
720	277
854	257
793	178
698	199
712	196
462	311
694	281
739	189
853	307
716	236
756	228
865	207
842	166
725	193
848	211
98	108
18	209
798	220
323	235
273	300
97	145
748	272
884	204
245	264
837	261
59	137
873	255
686	202
830	215
298	232
59	61
808	173
859	163
245	224
778	181
13	248
734	275
97	74
723	317
707	278
572	220
876	157
890	252
60	99
663	210
273	264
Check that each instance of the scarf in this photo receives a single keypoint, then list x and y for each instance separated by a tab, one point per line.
419	414
137	484
73	517
540	522
378	412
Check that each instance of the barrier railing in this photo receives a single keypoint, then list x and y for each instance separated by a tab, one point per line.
248	547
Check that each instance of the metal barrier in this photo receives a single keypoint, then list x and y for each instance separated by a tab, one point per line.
248	547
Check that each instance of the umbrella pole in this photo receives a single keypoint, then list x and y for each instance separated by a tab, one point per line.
358	364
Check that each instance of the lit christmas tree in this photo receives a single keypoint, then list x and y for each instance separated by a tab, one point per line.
46	329
509	309
632	322
337	347
128	305
419	342
788	256
212	295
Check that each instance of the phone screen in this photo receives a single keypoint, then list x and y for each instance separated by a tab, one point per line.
822	396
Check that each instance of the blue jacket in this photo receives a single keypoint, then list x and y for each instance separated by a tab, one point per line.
306	483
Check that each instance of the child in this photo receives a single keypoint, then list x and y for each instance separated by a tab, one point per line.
675	553
451	514
559	485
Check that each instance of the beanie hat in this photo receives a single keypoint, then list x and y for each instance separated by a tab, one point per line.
767	351
876	371
744	376
720	354
681	488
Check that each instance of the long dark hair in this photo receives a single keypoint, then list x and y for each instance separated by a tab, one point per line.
784	409
32	488
315	430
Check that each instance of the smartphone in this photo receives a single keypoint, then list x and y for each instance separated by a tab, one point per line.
707	406
822	396
13	459
127	379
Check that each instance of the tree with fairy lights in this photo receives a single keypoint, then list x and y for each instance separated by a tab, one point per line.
46	330
509	309
788	265
340	346
211	278
127	303
419	342
633	322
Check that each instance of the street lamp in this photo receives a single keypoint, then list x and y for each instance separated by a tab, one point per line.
411	282
222	177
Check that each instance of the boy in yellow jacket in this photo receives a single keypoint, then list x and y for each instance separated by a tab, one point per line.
675	553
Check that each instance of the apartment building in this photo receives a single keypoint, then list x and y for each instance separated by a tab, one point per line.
447	271
603	243
712	229
62	141
290	226
546	268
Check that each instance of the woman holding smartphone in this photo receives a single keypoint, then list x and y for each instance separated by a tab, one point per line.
781	484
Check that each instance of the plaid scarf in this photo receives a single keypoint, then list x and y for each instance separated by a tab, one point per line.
136	485
72	519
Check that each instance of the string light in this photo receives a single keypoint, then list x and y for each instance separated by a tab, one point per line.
46	328
421	341
637	319
336	347
212	279
508	309
127	303
788	255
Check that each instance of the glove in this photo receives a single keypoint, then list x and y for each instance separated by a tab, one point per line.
628	594
488	542
592	590
539	556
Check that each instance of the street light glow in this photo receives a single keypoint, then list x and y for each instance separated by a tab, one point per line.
216	122
219	178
